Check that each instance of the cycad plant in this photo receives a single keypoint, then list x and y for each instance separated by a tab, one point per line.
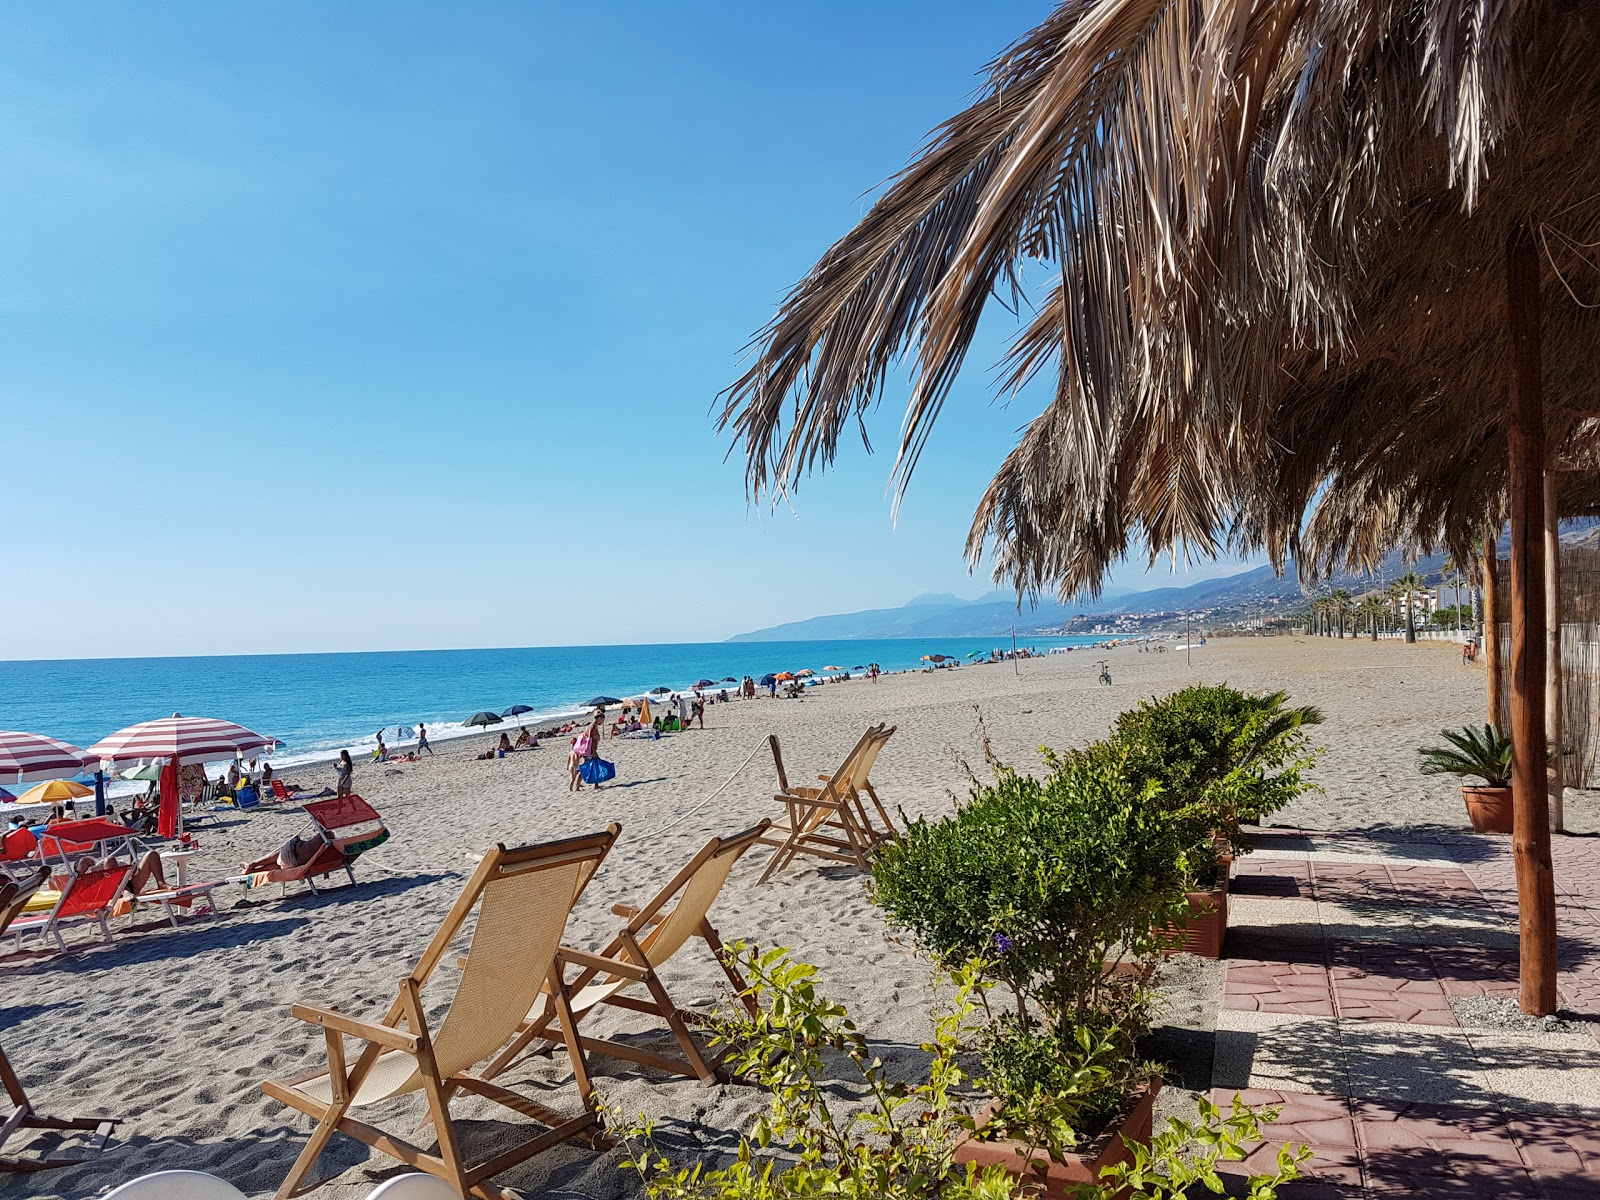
1472	753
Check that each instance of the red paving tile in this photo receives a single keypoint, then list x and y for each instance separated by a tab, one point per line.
1322	1123
1451	1152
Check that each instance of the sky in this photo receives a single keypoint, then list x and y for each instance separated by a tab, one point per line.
387	326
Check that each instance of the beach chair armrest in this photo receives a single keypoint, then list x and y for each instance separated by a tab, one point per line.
332	1018
626	911
598	962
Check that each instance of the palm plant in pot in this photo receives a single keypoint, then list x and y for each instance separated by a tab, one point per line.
1474	753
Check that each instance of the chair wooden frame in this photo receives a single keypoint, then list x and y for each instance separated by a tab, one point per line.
14	895
329	1094
23	1116
832	822
652	936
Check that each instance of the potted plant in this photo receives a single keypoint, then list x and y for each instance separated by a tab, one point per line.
902	1142
1056	884
1475	753
1220	758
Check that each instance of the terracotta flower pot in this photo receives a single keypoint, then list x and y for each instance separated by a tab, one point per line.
1202	933
1488	808
1057	1179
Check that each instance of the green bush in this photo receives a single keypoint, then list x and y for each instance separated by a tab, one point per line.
1058	1091
900	1145
1220	757
1045	879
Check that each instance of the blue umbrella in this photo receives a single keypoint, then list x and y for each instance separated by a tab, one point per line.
516	710
768	680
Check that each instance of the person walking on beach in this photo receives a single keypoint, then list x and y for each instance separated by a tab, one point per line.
422	739
346	776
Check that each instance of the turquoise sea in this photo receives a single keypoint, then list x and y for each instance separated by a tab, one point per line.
317	703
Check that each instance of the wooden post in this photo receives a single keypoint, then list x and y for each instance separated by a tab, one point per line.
1530	838
1552	651
1491	626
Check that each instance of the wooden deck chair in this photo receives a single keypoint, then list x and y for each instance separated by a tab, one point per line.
652	935
830	822
14	896
522	898
23	1116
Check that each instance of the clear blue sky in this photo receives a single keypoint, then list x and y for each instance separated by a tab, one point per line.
397	325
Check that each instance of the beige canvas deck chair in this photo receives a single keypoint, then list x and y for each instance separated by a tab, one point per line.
832	821
652	935
522	898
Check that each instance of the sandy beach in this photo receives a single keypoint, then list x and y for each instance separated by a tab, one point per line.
173	1030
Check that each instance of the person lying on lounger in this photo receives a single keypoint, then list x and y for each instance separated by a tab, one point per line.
147	868
296	852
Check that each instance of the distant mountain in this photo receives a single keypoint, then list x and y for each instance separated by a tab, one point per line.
996	613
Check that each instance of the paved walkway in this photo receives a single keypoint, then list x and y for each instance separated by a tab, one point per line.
1359	993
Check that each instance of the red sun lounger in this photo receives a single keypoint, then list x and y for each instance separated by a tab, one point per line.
346	827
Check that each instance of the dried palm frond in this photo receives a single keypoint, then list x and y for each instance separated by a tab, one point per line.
1276	233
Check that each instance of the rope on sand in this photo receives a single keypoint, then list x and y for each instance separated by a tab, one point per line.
679	820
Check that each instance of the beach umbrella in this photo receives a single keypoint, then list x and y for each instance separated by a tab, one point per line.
56	791
804	672
186	739
483	718
729	679
168	812
6	797
644	712
602	702
660	691
147	772
832	668
30	757
516	710
704	683
783	676
768	680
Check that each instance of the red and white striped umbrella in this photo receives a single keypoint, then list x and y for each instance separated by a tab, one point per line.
188	739
32	757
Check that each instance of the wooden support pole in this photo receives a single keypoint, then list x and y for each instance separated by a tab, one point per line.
1552	652
1491	627
1530	798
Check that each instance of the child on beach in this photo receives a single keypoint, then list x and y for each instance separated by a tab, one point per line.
422	739
578	751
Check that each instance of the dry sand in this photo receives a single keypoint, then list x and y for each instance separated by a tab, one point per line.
173	1030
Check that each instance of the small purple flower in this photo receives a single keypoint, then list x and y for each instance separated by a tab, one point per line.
1003	942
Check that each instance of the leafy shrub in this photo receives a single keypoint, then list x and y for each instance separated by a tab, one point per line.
902	1146
1045	879
1055	1090
1220	756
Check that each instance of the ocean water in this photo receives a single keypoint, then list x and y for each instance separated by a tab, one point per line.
316	704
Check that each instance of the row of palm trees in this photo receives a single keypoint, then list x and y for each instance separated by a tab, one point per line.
1337	610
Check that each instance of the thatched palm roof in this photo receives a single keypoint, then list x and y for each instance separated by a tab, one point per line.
1275	234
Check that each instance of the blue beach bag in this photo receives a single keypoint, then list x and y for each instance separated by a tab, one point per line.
597	770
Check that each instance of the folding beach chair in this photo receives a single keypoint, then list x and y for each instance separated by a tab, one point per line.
522	898
87	897
346	827
831	822
23	1116
14	896
280	791
652	936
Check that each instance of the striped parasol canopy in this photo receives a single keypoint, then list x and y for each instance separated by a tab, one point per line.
31	757
187	739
